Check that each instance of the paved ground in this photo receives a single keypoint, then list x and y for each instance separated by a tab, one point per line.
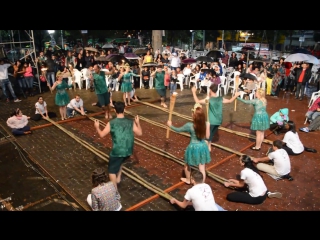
67	164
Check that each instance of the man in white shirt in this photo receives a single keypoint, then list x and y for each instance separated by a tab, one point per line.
281	162
175	61
200	195
5	82
74	106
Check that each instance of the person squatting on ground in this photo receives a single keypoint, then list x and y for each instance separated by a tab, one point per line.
252	189
280	166
18	123
104	195
75	106
200	196
260	120
122	132
278	120
42	111
197	152
215	108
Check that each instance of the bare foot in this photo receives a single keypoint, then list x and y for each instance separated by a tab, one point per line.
165	106
185	181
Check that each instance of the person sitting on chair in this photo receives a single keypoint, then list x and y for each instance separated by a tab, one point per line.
278	120
314	110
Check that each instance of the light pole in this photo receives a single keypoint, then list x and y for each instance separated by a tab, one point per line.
192	38
52	41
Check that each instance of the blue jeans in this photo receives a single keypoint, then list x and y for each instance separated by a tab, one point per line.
51	77
22	82
173	87
29	82
4	84
113	83
312	115
69	111
20	131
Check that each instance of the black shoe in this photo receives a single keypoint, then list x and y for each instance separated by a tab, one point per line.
287	176
310	150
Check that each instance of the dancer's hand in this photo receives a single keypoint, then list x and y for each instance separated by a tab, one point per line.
169	123
237	94
136	120
96	124
173	200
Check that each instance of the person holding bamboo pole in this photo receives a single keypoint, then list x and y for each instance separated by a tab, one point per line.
252	189
260	120
197	152
122	132
215	108
200	196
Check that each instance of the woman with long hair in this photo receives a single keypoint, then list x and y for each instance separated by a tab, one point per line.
104	195
42	111
197	152
260	120
252	189
291	141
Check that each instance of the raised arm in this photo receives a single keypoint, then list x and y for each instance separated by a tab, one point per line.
195	97
225	100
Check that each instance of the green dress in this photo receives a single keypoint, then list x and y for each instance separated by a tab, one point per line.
62	97
126	85
260	120
197	151
121	130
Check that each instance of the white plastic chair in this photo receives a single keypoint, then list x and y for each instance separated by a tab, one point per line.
180	77
85	76
314	96
193	79
224	84
77	78
151	83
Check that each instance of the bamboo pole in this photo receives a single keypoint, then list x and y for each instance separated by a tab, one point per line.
105	157
190	119
172	102
236	82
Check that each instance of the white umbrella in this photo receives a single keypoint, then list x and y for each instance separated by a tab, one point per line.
313	59
297	57
108	45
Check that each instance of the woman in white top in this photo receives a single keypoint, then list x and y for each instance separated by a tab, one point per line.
18	123
255	190
291	140
42	111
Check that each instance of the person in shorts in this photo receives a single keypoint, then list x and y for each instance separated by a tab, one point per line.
122	132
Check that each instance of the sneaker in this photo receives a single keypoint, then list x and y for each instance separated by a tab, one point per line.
304	129
17	100
274	195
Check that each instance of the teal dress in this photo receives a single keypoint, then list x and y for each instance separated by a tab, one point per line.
62	97
197	151
260	120
126	85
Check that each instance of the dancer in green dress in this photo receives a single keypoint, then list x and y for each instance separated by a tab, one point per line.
260	120
197	152
126	86
62	97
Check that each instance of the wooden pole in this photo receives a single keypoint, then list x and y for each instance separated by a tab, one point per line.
172	102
